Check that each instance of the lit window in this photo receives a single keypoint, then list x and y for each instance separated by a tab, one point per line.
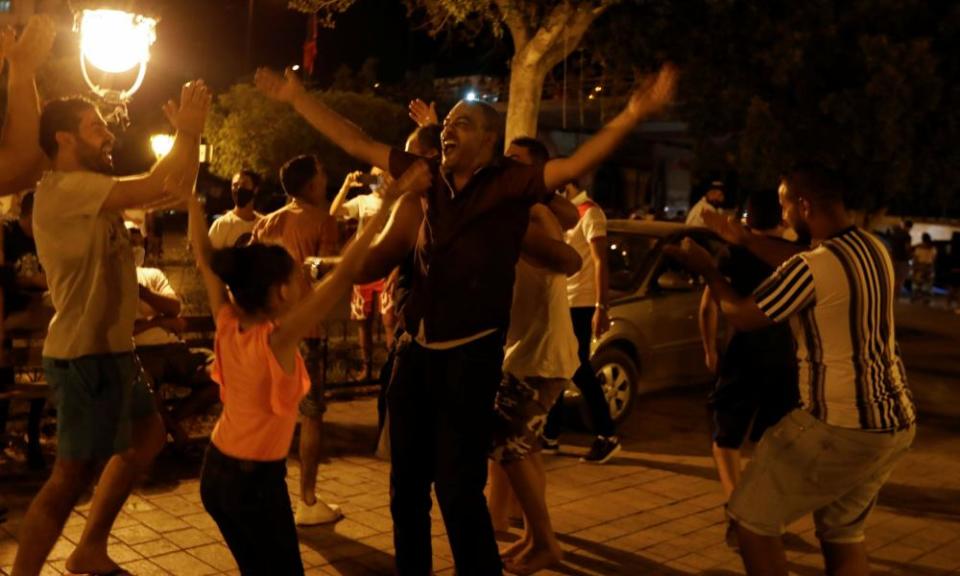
6	6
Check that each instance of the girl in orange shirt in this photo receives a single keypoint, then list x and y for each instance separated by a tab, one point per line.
254	294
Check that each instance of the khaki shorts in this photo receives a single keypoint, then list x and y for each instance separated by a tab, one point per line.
521	408
803	465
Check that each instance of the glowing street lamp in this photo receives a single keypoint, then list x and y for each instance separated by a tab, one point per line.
161	144
115	42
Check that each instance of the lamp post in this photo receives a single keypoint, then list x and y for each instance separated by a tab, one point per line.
115	42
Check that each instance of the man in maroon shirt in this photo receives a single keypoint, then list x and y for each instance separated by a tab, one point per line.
448	362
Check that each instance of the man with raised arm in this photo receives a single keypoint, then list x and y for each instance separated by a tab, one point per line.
105	410
857	419
449	359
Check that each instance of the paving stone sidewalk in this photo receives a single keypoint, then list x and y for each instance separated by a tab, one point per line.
655	509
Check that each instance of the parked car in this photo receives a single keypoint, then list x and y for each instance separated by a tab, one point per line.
654	338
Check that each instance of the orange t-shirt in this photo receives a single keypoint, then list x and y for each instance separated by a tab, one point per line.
259	398
305	231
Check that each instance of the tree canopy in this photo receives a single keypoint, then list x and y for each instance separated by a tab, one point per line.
249	131
864	87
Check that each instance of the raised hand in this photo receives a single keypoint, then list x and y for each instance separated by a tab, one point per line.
191	114
353	180
284	88
691	256
727	227
33	46
422	113
654	93
416	179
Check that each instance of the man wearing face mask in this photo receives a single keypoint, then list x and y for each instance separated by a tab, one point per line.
165	357
235	227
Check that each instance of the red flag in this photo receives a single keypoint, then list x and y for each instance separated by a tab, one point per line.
310	46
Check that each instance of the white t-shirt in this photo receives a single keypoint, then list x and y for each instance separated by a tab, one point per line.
362	208
88	258
540	341
582	286
157	282
695	217
227	229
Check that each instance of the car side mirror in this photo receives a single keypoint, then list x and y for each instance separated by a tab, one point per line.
675	281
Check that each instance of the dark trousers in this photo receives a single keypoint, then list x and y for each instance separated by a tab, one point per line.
441	419
251	506
585	379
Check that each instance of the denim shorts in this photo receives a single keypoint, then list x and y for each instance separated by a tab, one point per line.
98	398
803	465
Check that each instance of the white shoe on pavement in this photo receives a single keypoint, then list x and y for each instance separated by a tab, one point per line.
319	513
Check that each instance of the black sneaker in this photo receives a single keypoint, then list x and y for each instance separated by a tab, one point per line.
603	450
549	445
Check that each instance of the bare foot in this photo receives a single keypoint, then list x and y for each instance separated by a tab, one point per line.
88	562
517	547
533	560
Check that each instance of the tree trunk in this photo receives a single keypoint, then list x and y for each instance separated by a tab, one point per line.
523	107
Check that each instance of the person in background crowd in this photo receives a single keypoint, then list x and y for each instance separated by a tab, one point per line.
105	409
924	268
901	249
25	308
166	359
305	229
588	296
712	201
236	226
857	418
262	379
369	297
757	375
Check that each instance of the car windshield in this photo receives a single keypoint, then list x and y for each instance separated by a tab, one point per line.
627	255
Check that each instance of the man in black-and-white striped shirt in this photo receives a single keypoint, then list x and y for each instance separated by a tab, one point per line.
832	456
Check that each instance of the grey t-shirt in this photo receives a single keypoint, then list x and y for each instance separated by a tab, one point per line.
88	258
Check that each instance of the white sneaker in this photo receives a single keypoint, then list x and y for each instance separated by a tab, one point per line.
319	513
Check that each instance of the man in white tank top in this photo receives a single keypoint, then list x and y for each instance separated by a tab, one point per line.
539	359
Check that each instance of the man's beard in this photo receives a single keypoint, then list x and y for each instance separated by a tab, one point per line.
94	159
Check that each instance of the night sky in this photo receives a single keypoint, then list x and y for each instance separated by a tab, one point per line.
206	39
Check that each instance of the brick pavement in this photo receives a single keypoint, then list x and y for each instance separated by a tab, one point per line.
656	509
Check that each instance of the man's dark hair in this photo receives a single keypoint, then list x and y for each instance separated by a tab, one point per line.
61	115
763	210
26	204
816	184
253	176
297	173
250	271
538	151
428	137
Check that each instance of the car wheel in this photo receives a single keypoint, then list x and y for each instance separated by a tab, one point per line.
617	372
